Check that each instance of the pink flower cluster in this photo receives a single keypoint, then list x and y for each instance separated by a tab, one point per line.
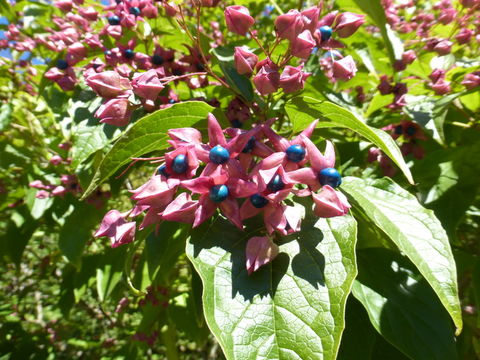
241	173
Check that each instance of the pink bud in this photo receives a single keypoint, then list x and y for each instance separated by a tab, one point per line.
267	80
245	60
469	3
88	13
238	19
409	56
385	87
147	85
116	228
56	160
171	8
289	25
75	53
447	16
347	23
209	3
64	5
37	184
260	251
464	36
344	69
59	191
441	87
303	45
330	203
443	47
115	112
436	75
293	79
42	194
310	18
471	81
150	11
108	84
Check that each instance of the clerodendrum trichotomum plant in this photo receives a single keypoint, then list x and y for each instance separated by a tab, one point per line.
233	155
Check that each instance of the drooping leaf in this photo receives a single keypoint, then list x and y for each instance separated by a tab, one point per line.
292	308
402	306
110	272
146	135
302	111
415	230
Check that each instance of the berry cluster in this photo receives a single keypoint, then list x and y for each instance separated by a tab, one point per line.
242	175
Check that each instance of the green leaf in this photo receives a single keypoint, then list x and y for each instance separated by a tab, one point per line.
5	118
415	230
292	308
302	111
240	83
146	135
402	307
110	272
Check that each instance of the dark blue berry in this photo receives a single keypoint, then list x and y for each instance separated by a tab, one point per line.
326	33
330	176
219	155
258	201
295	153
398	129
107	52
157	60
62	64
113	20
129	54
200	67
177	72
411	130
134	10
171	101
162	170
218	193
250	145
276	184
236	123
180	164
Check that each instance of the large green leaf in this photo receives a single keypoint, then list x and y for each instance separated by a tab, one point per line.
302	111
415	230
146	135
402	307
291	309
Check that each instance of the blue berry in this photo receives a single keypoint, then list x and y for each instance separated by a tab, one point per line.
411	130
250	145
107	52
398	129
276	184
162	170
258	201
113	20
219	155
326	32
295	153
180	164
129	54
236	123
134	10
330	176
157	60
62	64
218	193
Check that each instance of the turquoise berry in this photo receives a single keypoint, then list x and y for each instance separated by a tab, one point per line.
113	20
134	10
295	153
219	155
326	33
258	201
129	54
218	193
162	170
276	184
250	145
330	176
180	164
62	64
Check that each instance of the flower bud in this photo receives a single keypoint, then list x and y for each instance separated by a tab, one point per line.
310	18
75	53
150	11
293	79
267	80
347	23
409	56
260	251
245	60
436	75
289	25
64	5
171	9
56	160
303	45
88	13
108	84
147	85
464	36
441	87
238	19
116	228
330	203
447	16
344	69
471	81
59	191
115	112
443	47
